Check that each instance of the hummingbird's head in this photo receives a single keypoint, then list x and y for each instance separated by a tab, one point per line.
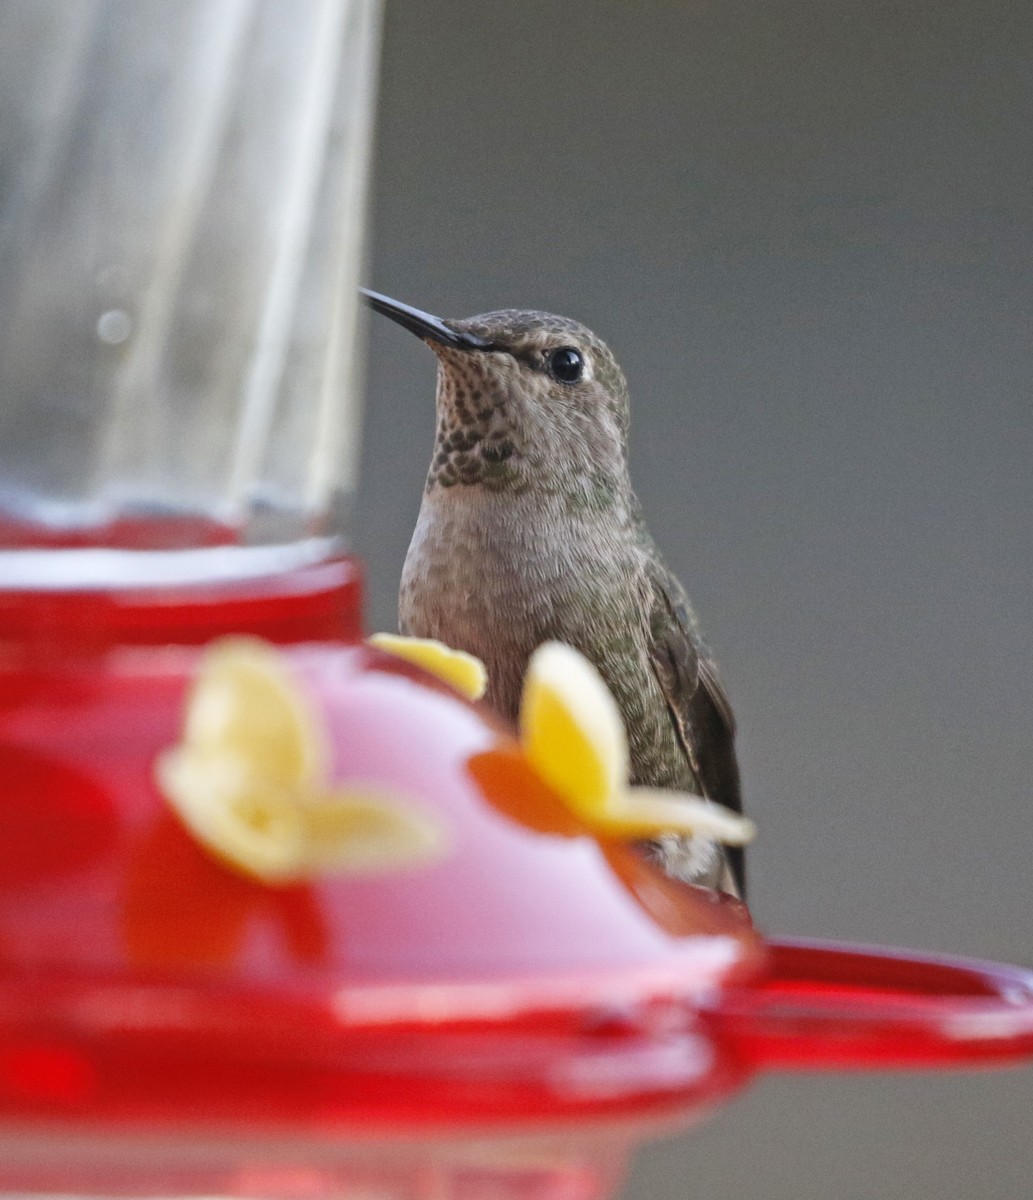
524	399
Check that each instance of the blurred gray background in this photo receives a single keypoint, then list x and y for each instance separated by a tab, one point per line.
806	228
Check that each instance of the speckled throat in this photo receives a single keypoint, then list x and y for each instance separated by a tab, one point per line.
474	443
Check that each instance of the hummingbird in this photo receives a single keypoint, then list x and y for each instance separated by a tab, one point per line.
529	531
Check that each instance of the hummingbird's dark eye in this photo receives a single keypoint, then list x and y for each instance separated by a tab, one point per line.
566	364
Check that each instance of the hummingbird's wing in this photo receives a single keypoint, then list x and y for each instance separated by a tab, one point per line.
695	698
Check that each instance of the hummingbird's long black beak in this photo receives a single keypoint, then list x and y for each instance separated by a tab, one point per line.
423	324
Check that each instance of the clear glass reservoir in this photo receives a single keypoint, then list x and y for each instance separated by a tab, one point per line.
181	211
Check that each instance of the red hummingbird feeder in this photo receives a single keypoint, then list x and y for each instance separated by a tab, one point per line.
168	1023
507	1016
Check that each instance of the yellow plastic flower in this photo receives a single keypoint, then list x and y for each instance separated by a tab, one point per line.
571	730
460	670
249	779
